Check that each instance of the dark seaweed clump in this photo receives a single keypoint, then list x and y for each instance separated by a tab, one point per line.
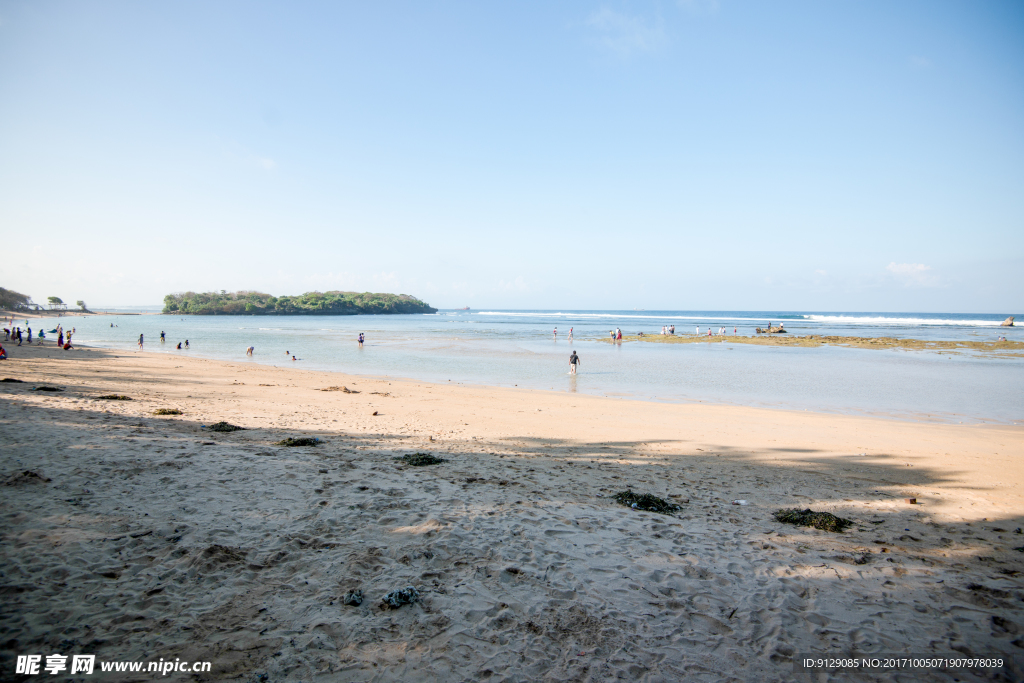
11	379
167	411
301	441
353	598
405	596
819	520
46	388
421	459
114	397
645	501
224	427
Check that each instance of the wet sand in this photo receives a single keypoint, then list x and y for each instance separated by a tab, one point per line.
149	536
1008	348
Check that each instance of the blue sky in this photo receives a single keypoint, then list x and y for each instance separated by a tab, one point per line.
662	155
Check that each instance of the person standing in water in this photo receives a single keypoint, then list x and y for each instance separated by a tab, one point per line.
574	360
555	333
163	337
362	338
570	334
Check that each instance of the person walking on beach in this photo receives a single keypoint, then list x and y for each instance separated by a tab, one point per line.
60	336
570	334
19	336
30	335
140	341
574	360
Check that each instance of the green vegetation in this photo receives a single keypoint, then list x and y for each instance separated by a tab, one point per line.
421	459
11	300
300	441
645	501
310	303
224	427
825	521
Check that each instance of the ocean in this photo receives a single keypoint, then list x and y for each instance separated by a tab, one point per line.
518	348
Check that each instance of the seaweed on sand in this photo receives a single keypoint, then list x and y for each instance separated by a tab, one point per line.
48	388
420	459
301	441
825	521
645	501
12	380
397	598
114	397
167	411
224	427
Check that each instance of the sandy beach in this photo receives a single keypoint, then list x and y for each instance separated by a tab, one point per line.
134	536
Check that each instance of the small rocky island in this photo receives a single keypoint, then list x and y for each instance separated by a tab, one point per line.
310	303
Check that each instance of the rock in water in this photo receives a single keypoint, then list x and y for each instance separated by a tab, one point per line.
1008	322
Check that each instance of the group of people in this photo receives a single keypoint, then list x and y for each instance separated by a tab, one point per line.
671	329
616	334
14	333
722	331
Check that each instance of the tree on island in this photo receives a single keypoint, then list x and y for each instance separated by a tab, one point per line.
81	304
12	301
56	302
311	303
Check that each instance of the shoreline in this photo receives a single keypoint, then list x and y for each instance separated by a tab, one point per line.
934	417
139	536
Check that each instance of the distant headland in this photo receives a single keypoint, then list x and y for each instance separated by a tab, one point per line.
310	303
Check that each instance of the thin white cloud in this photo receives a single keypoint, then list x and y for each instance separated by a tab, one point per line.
913	274
624	34
517	285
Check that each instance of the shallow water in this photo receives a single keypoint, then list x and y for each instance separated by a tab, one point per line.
517	348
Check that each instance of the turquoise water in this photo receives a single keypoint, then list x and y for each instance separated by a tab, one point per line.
517	348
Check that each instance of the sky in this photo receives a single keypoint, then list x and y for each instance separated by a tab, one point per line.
691	155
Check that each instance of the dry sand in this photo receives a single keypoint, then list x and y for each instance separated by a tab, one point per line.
154	537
